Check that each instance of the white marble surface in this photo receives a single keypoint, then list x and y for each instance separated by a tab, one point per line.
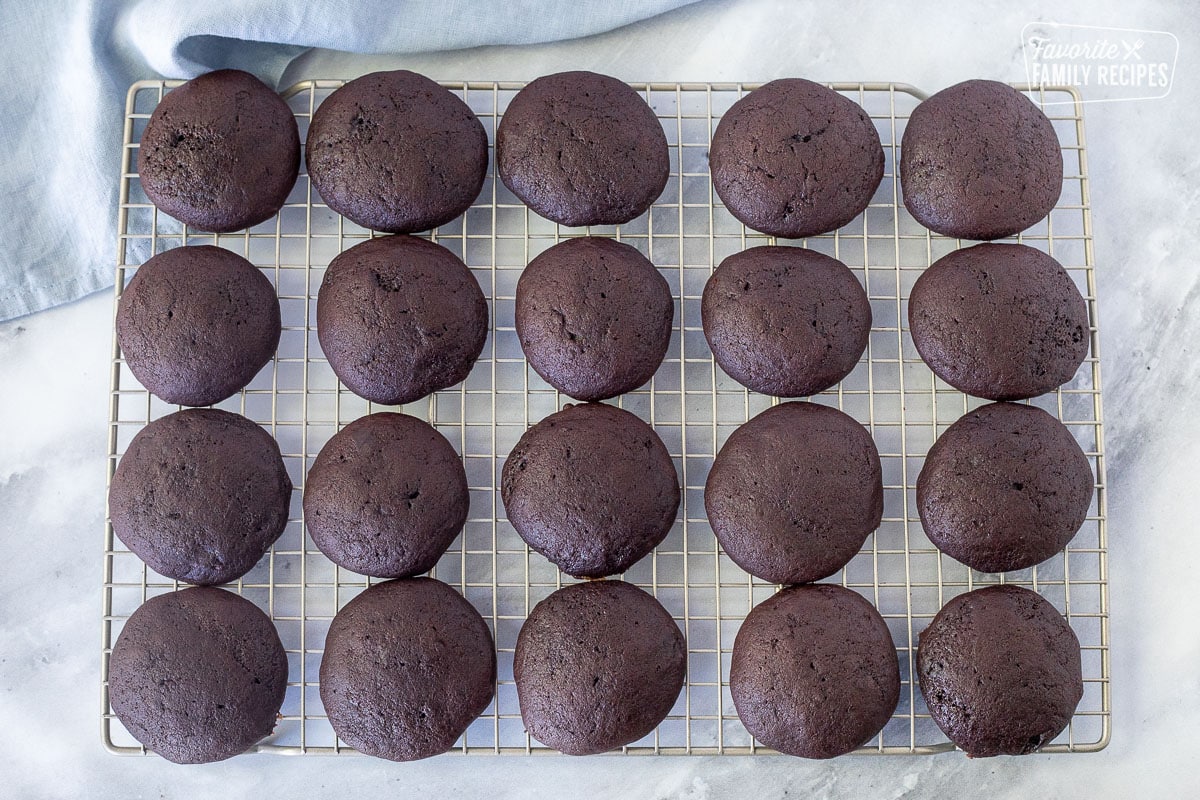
1145	173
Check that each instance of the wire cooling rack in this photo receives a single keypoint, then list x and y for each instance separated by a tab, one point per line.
692	404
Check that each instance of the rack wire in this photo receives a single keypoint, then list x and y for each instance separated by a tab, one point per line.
692	404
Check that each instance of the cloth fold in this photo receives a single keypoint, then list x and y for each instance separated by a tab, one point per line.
71	63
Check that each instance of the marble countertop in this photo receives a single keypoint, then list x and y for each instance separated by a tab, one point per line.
1145	190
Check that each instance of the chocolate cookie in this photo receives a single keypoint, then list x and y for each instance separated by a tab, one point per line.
582	149
196	324
197	675
979	161
999	321
1000	670
592	488
396	152
594	317
598	665
386	496
814	671
1004	488
399	318
408	665
794	159
794	493
785	321
200	495
220	153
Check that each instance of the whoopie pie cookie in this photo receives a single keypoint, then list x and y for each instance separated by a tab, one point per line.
785	321
220	153
396	152
979	161
581	148
1000	670
200	495
386	496
592	488
594	317
794	493
197	675
1004	488
408	666
999	321
196	324
400	318
598	665
814	671
794	158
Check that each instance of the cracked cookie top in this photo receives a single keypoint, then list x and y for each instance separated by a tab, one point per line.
594	317
399	318
794	159
396	152
582	149
979	161
221	152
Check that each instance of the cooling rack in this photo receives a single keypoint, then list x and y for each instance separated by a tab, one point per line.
692	404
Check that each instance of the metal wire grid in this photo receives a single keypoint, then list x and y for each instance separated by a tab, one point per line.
692	404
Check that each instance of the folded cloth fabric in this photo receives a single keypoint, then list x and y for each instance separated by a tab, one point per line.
69	63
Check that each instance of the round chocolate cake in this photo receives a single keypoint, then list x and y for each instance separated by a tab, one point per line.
400	318
386	496
1000	670
220	153
794	159
999	321
592	488
594	317
598	665
582	149
197	675
785	321
408	666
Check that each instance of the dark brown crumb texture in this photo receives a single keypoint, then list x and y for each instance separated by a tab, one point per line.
598	665
198	675
592	488
221	152
999	321
1004	488
1000	670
